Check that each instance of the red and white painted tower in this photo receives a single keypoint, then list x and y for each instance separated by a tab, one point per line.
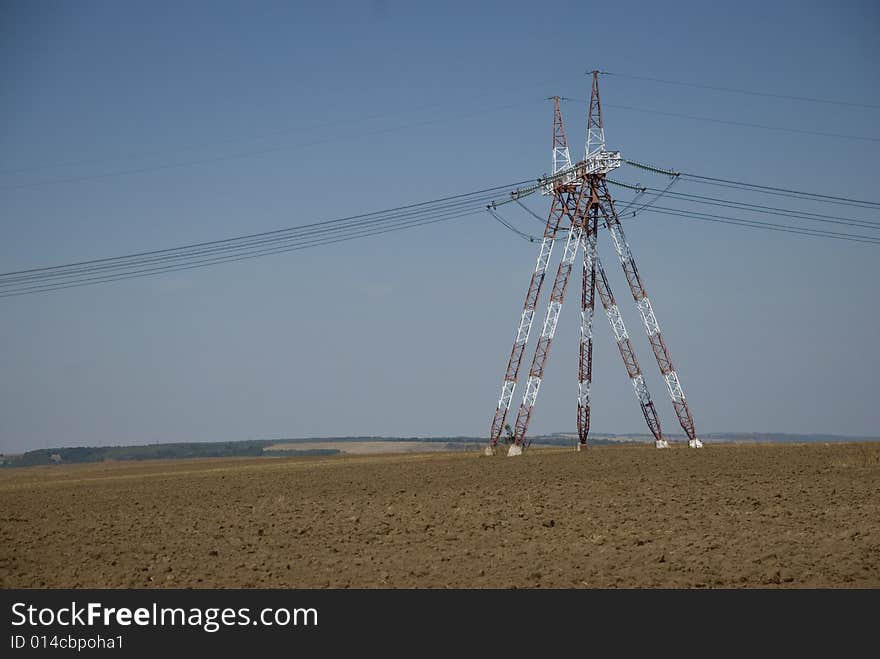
580	201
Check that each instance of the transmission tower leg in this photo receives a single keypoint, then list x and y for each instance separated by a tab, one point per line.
646	311
624	345
585	361
542	350
558	209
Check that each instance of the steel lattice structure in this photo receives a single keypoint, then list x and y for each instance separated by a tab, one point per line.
580	202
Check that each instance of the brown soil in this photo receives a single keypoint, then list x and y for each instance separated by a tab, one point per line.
726	516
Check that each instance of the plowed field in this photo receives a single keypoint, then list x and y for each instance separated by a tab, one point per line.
725	516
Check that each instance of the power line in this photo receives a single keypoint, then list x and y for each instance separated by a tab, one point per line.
275	133
722	219
275	246
745	91
227	259
800	194
756	224
272	232
496	215
761	208
801	197
531	213
249	153
782	212
848	201
766	189
203	254
306	232
657	196
263	151
654	169
207	253
640	192
745	124
771	226
219	141
190	147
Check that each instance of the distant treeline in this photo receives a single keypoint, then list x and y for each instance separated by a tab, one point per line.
149	452
376	438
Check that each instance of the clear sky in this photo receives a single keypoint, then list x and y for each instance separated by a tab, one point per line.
155	110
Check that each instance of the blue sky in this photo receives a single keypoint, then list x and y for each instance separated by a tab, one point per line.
128	127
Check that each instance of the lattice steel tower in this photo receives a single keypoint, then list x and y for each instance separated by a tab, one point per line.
580	201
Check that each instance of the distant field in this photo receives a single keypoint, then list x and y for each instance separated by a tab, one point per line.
375	447
361	448
779	515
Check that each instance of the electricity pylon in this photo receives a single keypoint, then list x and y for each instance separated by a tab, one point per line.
580	201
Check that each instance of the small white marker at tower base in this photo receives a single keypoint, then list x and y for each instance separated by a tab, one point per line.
515	449
489	451
661	443
695	443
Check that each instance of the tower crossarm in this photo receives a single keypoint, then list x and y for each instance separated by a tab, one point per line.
646	311
600	162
